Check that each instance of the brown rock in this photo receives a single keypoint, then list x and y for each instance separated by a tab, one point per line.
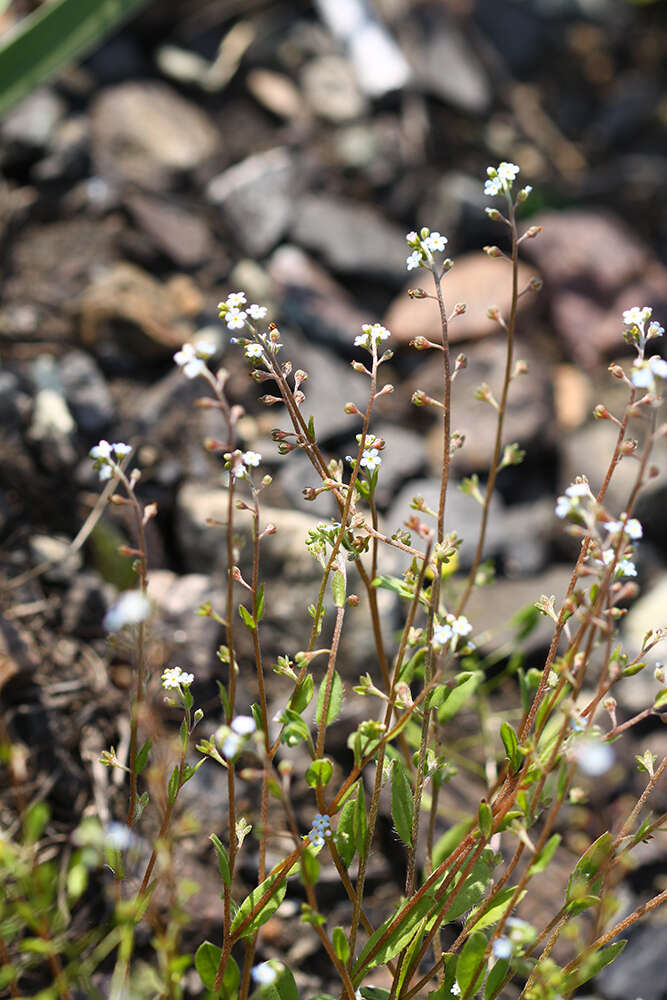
128	304
589	251
475	279
146	132
182	236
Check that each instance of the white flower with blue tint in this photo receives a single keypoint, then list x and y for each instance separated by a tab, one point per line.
131	608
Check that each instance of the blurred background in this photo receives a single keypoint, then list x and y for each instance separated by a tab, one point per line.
285	148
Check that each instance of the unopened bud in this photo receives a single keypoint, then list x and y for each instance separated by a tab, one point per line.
260	376
629	447
601	412
206	403
272	327
461	362
352	408
270	529
269	400
617	371
309	493
659	673
662	430
198	716
353	600
358	367
653	471
285	767
535	284
447	264
418	398
533	232
493	312
460	308
609	704
267	480
521	367
417	293
420	343
493	214
118	500
492	251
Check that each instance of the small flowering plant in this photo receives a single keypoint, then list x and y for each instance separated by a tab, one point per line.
459	928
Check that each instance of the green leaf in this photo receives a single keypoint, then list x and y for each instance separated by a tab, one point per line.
283	986
142	757
399	937
485	819
493	914
278	883
580	904
35	822
260	603
359	823
660	699
582	880
247	618
311	428
341	944
302	695
207	960
294	728
319	772
174	782
335	699
467	969
466	684
511	744
338	588
545	855
402	802
52	36
592	964
223	860
450	840
496	978
345	844
470	893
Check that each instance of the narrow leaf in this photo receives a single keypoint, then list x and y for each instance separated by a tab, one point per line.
469	961
545	855
276	882
402	802
223	860
335	699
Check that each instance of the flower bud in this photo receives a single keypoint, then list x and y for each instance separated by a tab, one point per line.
269	400
417	293
419	343
536	284
492	251
198	716
493	312
418	398
358	367
653	472
629	447
447	265
601	412
533	232
493	214
617	371
353	600
460	308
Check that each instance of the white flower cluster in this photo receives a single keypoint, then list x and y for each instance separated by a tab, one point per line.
632	532
238	734
371	333
451	629
234	316
249	460
321	828
192	358
423	245
174	677
131	608
107	457
570	502
370	456
501	178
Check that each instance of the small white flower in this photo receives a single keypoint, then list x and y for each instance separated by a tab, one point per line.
316	838
235	299
257	312
642	377
502	947
232	746
188	362
500	178
120	449
235	318
461	625
413	260
370	459
101	451
411	237
118	836
252	458
578	490
594	757
435	242
507	172
492	187
253	351
131	608
634	528
525	191
174	677
654	330
442	635
322	824
264	974
205	349
658	366
455	990
637	316
626	567
563	506
243	725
